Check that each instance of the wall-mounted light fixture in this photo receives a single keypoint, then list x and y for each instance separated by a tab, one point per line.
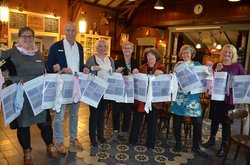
183	28
159	5
49	10
233	0
198	45
82	23
218	46
20	6
4	11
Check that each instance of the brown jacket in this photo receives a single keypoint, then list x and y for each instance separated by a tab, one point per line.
146	69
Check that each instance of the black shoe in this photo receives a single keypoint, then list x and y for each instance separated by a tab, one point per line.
199	152
209	143
151	146
177	148
93	143
133	143
102	140
222	150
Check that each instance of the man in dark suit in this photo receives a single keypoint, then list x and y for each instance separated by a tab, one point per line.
67	56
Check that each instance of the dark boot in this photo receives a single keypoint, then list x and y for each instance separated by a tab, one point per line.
209	143
177	147
222	150
199	152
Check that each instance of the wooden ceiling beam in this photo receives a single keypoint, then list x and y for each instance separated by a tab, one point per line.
125	12
96	1
73	3
74	9
77	12
110	2
119	32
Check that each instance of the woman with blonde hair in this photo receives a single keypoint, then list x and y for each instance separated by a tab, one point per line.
101	65
187	104
219	109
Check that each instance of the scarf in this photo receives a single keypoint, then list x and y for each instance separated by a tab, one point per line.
27	52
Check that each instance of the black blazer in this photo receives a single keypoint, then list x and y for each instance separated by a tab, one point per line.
121	63
57	56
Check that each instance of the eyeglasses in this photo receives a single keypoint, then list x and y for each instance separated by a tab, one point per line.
127	48
29	37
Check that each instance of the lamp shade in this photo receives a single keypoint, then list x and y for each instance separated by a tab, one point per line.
159	5
82	26
4	12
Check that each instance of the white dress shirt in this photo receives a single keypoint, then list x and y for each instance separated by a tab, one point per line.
72	55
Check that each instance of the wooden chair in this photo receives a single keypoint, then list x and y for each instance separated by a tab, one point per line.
241	140
164	119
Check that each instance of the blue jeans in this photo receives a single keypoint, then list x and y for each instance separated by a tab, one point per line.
73	122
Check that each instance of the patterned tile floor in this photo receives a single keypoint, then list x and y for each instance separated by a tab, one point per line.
111	153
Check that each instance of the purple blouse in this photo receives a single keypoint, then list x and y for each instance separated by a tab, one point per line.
234	69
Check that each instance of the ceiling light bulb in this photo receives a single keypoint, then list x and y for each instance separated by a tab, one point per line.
159	5
198	46
233	0
218	46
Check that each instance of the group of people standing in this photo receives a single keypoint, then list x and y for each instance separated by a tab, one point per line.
24	62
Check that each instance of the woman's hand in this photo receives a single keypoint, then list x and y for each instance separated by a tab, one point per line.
158	72
67	71
86	70
219	66
56	67
119	69
209	63
96	68
135	71
178	63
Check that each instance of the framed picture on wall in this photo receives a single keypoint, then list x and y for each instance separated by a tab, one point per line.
124	38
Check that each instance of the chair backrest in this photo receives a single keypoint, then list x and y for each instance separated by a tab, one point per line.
249	119
238	114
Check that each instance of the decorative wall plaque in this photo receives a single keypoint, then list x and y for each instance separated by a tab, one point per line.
17	20
51	25
36	22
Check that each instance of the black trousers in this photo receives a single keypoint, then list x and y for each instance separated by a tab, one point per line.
196	121
23	133
126	109
151	120
96	121
219	114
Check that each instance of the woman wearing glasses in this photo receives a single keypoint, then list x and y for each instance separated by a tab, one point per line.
24	62
125	66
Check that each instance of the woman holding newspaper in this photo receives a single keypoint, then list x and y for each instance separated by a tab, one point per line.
125	66
153	67
24	62
219	109
101	65
187	104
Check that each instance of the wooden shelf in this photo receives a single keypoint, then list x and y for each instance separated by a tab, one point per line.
88	42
